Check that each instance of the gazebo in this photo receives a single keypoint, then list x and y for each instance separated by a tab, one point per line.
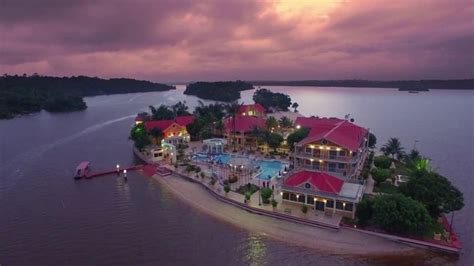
213	146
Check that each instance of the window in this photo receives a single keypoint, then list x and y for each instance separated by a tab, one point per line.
286	196
307	162
310	200
330	203
341	165
302	199
339	205
317	153
332	167
293	197
342	153
308	150
316	165
349	206
332	154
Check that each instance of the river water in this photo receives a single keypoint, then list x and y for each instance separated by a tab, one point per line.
47	218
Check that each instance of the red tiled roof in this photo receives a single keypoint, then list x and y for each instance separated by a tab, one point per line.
161	124
244	123
321	181
185	120
310	122
164	124
340	132
245	107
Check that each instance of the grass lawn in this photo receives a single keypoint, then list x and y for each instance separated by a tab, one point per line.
401	169
386	187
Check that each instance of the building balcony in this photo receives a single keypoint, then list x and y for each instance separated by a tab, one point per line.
327	157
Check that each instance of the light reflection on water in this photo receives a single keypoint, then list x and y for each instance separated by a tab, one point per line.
46	218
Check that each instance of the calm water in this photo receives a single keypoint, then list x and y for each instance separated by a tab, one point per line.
46	218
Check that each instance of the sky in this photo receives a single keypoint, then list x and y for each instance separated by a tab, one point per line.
239	39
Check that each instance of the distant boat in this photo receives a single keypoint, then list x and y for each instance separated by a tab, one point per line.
413	90
82	170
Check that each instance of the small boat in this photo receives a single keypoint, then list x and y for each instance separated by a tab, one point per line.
82	170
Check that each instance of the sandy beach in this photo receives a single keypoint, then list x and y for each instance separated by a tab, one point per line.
342	242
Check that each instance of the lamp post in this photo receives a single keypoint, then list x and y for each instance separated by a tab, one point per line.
259	192
125	174
118	169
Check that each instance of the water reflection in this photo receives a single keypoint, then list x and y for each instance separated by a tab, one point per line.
255	252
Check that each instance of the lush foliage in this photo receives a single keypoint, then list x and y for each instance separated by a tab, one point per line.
435	192
394	148
271	123
379	175
297	136
226	91
295	106
226	188
304	208
269	99
285	122
28	94
139	136
372	140
266	194
382	161
400	214
364	211
273	140
274	203
248	194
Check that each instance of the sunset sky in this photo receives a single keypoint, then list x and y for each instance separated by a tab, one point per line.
230	39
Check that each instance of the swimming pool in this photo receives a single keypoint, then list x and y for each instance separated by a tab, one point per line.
269	168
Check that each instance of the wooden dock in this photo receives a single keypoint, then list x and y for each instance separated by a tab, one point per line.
114	171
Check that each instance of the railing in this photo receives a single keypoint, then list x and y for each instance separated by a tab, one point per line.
345	159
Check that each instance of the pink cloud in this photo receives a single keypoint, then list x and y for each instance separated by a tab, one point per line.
214	40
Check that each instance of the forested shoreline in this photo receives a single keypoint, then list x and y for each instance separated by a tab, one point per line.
24	94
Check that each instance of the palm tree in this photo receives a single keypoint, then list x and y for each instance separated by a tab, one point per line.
258	134
394	148
285	122
295	106
232	110
156	133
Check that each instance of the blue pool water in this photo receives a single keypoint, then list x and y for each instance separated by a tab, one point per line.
270	168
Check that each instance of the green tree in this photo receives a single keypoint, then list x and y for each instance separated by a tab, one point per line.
180	109
372	140
163	112
259	135
266	194
269	99
382	161
271	123
295	106
156	133
364	211
400	214
380	175
285	122
435	192
394	148
139	136
297	136
273	140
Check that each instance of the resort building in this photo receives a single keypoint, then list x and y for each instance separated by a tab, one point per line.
241	127
174	130
322	192
256	110
333	146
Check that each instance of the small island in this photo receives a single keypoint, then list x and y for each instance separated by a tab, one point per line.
28	94
323	172
224	91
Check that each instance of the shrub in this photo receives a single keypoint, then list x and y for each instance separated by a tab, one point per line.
226	188
190	168
213	181
379	175
401	214
382	161
365	173
233	179
274	203
364	211
248	194
266	194
304	208
197	169
203	175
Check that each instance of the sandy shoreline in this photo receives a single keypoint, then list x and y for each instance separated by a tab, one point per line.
343	242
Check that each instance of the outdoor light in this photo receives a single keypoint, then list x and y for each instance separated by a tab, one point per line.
124	171
311	159
315	199
338	149
118	166
320	161
298	126
281	193
321	147
297	196
328	148
325	201
311	146
343	204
